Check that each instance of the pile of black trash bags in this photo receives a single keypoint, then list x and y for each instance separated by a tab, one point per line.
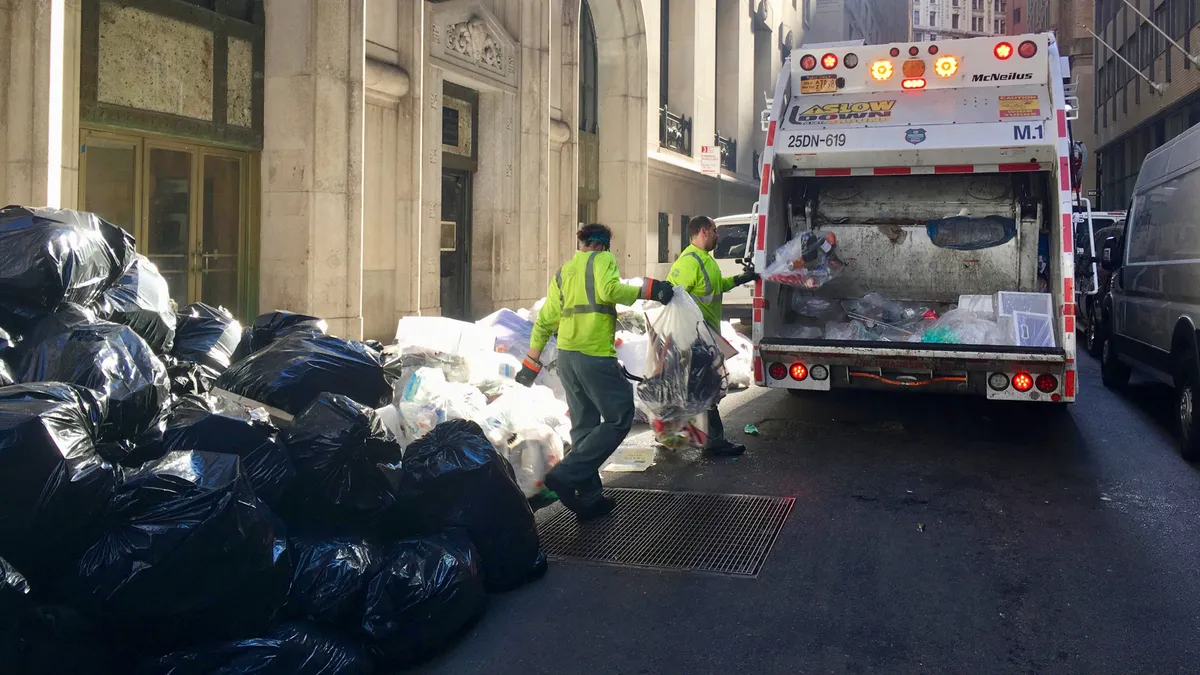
153	522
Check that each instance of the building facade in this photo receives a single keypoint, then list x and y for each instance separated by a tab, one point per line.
943	19
874	21
1129	119
362	160
1029	16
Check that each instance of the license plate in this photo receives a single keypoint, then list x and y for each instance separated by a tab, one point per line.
818	84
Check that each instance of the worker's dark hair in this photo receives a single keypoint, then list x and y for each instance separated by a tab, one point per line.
595	234
699	223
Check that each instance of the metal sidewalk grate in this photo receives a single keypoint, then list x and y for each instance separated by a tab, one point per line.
685	531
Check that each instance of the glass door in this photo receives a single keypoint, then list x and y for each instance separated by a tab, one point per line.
186	204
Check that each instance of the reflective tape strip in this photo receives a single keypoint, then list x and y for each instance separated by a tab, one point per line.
589	284
708	296
558	280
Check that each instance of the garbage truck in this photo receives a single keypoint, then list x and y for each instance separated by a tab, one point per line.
914	229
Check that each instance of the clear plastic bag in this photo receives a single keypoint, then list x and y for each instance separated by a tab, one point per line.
808	261
534	451
963	327
741	366
815	307
685	368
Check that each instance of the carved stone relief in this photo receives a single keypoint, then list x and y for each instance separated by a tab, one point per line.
466	34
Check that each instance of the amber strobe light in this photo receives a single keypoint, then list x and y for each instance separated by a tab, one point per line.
913	68
1003	50
882	70
1022	382
1047	383
829	61
915	83
945	66
778	371
799	371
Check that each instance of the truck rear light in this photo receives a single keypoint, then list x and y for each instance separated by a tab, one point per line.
1003	51
914	50
933	49
777	371
882	70
829	61
1022	382
799	371
998	381
1047	383
850	61
1027	49
945	66
916	83
808	62
819	373
895	52
913	68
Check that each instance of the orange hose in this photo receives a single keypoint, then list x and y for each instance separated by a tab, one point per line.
899	383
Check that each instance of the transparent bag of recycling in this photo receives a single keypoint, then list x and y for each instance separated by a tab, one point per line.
685	373
808	261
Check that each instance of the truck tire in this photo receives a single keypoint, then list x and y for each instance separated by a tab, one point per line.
1113	373
1187	410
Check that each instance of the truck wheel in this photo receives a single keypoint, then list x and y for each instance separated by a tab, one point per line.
1189	414
1093	338
1113	373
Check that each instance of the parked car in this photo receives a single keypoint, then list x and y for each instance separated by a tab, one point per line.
1153	307
732	233
1089	320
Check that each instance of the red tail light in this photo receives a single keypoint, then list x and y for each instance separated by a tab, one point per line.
913	51
1027	49
829	61
778	371
895	51
808	62
1003	51
799	371
1047	383
933	49
916	83
1022	382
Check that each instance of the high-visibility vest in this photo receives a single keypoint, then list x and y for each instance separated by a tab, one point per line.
581	304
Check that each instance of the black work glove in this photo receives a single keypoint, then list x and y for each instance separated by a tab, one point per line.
660	291
746	277
530	369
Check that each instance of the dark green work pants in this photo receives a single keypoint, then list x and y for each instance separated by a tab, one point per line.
601	406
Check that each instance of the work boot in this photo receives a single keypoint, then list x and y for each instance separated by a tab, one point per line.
723	448
565	491
596	509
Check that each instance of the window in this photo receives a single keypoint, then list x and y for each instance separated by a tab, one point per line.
588	107
731	241
916	17
1002	27
664	237
1016	15
933	18
954	3
996	26
684	239
954	21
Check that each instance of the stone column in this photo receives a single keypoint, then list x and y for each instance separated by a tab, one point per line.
39	102
312	189
531	237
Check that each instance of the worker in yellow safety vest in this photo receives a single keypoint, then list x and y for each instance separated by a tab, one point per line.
581	306
697	272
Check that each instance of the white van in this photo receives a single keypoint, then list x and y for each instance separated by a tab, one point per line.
732	235
1154	304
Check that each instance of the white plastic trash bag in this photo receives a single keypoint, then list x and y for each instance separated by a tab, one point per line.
532	452
445	335
741	366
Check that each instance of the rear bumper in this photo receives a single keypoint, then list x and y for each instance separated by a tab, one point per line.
927	368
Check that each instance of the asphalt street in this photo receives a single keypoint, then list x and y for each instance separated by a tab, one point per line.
929	535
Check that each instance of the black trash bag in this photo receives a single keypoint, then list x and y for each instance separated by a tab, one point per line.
188	554
297	648
51	256
453	477
210	424
111	360
141	300
206	335
330	577
14	604
348	464
274	325
188	377
428	590
291	373
58	640
53	484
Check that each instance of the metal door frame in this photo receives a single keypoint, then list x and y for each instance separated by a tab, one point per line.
467	211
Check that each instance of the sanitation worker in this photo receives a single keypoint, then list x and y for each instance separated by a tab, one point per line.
697	272
581	306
